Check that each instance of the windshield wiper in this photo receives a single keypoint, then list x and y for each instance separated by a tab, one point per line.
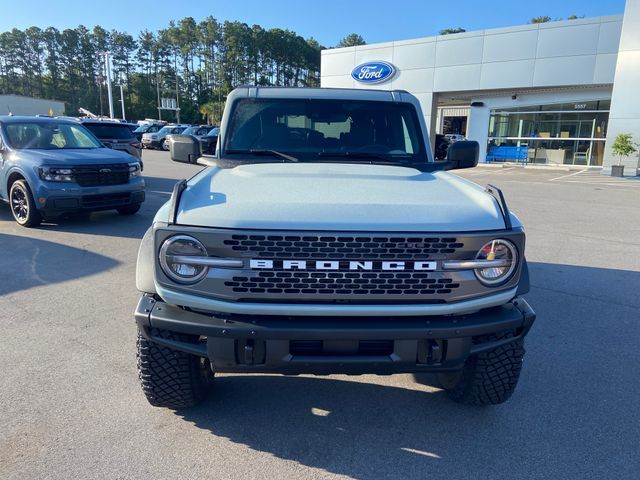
267	153
374	157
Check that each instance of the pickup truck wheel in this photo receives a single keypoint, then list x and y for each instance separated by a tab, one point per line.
488	378
130	210
171	378
22	205
165	145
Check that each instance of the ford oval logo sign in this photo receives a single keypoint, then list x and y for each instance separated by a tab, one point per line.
373	72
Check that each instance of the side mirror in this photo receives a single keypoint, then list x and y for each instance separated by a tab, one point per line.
462	154
184	148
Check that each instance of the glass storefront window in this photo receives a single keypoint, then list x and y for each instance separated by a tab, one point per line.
563	133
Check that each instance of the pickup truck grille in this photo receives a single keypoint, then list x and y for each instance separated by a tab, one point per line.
342	283
342	247
100	175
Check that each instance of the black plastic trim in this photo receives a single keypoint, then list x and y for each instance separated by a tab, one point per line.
225	333
496	193
174	202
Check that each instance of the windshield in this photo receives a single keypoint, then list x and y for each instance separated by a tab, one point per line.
49	136
142	129
314	129
116	132
190	131
166	130
213	132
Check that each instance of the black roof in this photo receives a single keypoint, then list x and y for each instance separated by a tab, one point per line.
32	119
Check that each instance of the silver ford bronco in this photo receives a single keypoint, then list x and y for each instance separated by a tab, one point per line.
323	238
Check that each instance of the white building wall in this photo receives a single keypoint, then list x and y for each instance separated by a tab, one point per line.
624	116
572	53
20	105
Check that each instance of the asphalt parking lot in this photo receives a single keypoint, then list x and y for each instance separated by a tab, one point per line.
71	406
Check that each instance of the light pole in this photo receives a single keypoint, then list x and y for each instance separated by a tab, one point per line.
122	102
109	94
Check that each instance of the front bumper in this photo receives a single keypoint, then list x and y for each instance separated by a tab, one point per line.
325	345
73	198
148	143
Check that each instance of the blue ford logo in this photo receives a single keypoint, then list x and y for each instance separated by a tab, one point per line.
373	72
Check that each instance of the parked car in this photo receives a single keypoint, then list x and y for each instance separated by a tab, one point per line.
50	166
455	137
209	141
115	135
158	139
442	146
196	131
147	128
324	238
188	148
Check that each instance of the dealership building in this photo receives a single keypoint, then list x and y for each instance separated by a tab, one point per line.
555	93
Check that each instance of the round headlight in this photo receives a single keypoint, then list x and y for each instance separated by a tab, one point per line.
504	254
173	263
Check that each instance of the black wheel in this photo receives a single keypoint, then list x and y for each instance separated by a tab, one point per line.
23	206
488	378
129	210
171	378
165	145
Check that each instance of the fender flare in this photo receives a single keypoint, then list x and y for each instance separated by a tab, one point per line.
523	284
145	267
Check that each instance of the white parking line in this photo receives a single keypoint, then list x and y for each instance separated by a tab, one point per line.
569	175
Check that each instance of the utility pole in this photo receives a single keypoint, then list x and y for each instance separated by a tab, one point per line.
177	98
158	89
122	101
110	95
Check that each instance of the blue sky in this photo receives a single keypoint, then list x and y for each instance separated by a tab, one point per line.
326	20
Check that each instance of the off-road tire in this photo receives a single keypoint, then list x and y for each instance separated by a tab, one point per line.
171	378
129	210
488	378
23	207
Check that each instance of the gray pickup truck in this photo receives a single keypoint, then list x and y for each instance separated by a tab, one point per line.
324	238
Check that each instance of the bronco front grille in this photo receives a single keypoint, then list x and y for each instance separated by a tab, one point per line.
342	247
359	268
342	283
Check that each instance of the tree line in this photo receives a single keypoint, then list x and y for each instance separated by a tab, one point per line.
201	61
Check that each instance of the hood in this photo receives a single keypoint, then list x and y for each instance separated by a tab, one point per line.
76	157
338	197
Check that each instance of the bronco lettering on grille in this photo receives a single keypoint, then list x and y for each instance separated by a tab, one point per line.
340	265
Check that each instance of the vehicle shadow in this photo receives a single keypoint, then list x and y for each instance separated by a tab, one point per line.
110	222
367	428
34	262
361	430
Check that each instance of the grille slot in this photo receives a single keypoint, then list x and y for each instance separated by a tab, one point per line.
342	283
106	200
323	348
343	247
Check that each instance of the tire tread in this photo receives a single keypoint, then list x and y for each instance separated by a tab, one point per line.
170	378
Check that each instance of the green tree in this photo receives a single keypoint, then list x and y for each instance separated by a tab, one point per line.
449	31
541	19
203	61
352	40
623	146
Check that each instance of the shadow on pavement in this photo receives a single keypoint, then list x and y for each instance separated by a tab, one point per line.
578	376
29	262
361	430
110	222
